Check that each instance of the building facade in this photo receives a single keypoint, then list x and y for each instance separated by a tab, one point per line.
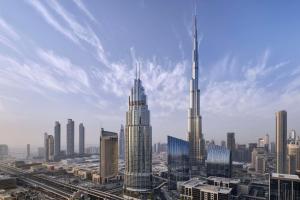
231	142
200	190
3	151
122	143
138	145
178	161
46	149
195	137
50	147
57	139
81	138
284	186
281	142
219	161
70	138
28	151
108	155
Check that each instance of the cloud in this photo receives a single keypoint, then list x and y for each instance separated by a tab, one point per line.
56	74
82	7
64	67
165	85
84	33
42	10
6	28
240	89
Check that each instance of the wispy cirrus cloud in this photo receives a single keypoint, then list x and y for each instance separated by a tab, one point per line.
241	89
56	74
83	8
50	19
75	31
8	30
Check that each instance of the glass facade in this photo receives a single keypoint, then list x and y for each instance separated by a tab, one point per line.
284	186
178	161
219	161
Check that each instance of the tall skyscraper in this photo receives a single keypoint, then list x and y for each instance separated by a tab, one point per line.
81	139
231	142
122	144
138	145
70	137
195	137
56	139
108	155
46	152
28	151
281	142
50	147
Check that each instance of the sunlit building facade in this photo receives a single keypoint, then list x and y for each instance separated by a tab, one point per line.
138	145
178	161
195	137
108	155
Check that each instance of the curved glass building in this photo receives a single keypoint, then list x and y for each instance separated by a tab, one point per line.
178	161
219	161
138	145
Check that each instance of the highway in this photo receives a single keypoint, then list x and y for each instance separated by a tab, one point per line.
60	189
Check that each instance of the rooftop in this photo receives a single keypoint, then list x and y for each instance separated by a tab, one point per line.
214	189
224	180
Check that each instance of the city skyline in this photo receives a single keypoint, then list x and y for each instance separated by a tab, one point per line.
85	70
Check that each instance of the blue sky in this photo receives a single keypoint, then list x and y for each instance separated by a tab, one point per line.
75	59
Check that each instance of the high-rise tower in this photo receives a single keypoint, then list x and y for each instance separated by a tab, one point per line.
56	139
81	139
121	144
138	145
281	142
70	137
194	118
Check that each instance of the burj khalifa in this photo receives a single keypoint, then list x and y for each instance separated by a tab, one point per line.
195	136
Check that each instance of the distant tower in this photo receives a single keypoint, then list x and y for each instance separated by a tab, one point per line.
195	136
108	155
28	151
46	152
50	147
267	142
231	141
281	142
138	145
56	139
122	143
223	143
81	139
70	138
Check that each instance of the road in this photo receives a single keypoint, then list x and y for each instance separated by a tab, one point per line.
62	190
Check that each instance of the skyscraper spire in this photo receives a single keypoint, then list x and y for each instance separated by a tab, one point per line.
136	70
195	50
194	118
